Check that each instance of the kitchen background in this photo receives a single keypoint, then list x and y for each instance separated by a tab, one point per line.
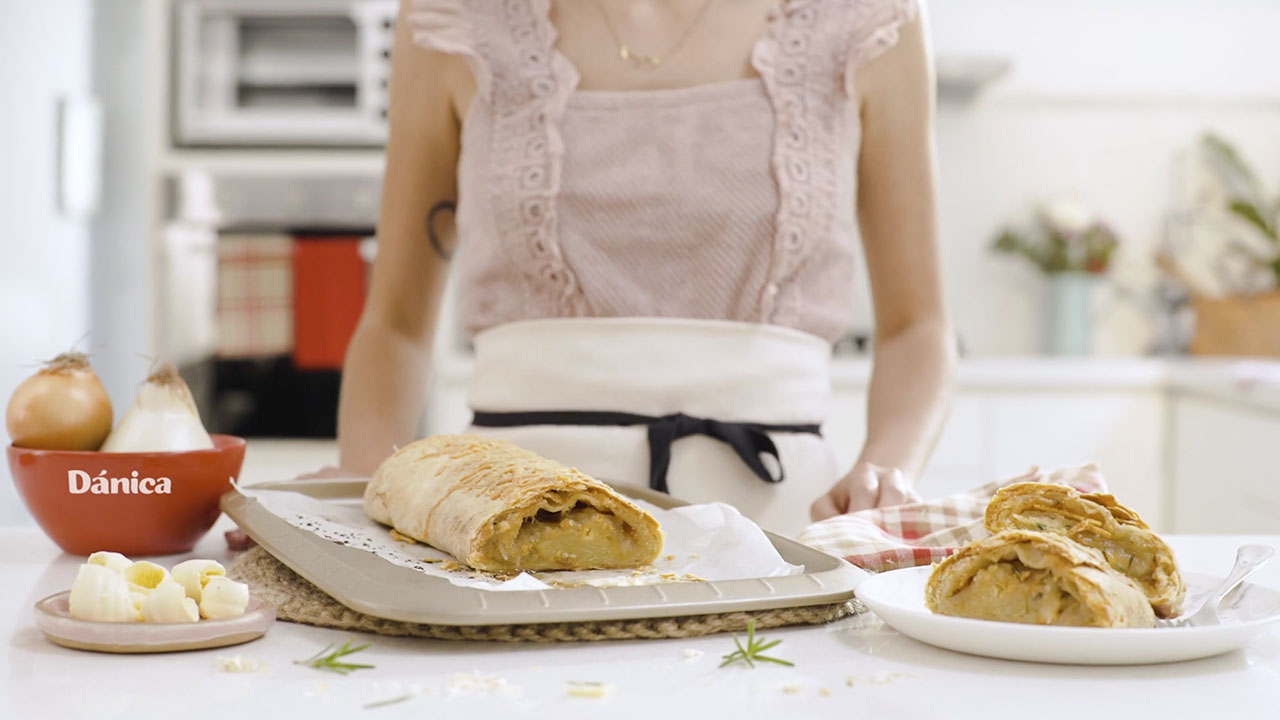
198	179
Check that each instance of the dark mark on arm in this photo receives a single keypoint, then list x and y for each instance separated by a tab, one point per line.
432	235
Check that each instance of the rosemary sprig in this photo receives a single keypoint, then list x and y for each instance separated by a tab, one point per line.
388	701
752	653
327	659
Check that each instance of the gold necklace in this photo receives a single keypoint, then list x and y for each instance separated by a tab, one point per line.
650	61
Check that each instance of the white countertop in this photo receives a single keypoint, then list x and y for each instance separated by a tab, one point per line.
1248	382
1022	373
854	669
1254	382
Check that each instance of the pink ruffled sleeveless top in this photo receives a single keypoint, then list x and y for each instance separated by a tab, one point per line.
729	201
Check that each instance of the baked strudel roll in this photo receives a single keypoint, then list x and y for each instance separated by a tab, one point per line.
497	507
1098	521
1039	578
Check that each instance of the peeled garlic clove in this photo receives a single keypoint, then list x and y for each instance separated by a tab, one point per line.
193	575
113	561
144	576
169	603
223	598
102	595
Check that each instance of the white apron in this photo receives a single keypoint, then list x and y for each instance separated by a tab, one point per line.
724	371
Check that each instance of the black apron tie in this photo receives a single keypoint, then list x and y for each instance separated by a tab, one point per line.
749	440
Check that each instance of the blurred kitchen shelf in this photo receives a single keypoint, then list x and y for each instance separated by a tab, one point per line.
962	77
317	71
294	161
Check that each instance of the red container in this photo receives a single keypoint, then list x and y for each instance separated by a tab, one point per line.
328	294
89	501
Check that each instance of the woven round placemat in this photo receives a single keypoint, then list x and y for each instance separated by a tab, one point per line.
297	600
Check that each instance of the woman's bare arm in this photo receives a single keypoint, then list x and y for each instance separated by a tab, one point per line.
914	352
385	374
914	342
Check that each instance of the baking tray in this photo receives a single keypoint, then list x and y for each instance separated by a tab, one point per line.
366	583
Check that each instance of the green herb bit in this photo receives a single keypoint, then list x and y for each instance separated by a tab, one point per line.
753	651
327	659
387	701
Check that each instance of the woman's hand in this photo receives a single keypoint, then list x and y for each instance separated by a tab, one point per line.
865	486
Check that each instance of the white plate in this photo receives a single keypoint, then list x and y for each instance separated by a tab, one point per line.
55	621
898	598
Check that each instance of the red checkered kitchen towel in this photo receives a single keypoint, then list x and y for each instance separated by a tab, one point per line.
888	538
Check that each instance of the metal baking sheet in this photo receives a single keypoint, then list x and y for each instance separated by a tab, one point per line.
366	583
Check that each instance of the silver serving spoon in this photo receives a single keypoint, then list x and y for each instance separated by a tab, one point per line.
1248	559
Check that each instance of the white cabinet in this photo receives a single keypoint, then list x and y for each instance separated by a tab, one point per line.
1226	458
962	459
995	433
1122	431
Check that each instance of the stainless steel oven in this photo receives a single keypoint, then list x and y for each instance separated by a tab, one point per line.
282	72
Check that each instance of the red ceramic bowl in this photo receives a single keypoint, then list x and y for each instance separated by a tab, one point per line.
154	503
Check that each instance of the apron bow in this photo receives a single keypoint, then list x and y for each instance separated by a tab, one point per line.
750	441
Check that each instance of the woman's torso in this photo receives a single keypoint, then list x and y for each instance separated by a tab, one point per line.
718	185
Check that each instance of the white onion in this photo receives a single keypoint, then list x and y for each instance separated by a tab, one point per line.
163	418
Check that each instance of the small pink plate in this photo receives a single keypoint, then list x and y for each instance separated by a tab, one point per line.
54	619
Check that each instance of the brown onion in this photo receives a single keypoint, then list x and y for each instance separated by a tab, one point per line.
61	407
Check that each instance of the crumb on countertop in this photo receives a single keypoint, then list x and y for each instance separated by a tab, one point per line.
239	664
476	683
589	689
792	689
690	655
882	678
